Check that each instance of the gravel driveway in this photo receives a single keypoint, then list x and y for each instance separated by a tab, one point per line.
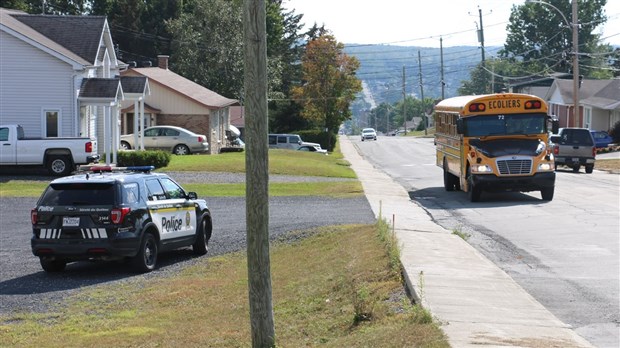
24	286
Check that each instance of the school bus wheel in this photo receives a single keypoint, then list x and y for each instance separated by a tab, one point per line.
473	192
449	180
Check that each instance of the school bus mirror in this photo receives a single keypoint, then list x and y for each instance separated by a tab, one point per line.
459	126
555	124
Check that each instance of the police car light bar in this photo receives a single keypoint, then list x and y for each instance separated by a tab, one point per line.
109	168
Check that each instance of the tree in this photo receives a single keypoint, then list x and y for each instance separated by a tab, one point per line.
383	117
541	35
494	76
330	84
139	27
56	7
285	47
208	46
614	59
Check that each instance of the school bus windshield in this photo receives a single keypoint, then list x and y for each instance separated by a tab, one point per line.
504	124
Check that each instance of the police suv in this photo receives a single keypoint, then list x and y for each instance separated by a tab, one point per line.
112	213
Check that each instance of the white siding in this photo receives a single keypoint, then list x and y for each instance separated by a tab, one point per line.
30	81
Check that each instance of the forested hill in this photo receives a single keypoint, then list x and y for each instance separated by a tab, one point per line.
381	69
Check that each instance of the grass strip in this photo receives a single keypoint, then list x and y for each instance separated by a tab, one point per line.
335	288
337	189
285	162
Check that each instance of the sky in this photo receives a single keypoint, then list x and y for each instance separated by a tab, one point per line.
423	23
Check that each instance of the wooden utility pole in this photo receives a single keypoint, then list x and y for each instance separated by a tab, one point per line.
422	93
575	26
481	35
257	173
443	82
404	104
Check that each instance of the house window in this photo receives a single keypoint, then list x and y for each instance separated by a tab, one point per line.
51	123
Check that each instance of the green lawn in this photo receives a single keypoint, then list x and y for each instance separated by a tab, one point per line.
284	162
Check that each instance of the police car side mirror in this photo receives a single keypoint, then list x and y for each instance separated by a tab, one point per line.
192	195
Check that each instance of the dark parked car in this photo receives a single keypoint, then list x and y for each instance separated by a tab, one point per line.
601	138
179	141
131	214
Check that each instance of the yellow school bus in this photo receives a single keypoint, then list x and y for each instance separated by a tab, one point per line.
495	142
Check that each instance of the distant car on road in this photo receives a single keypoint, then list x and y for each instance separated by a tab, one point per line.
369	134
312	148
179	141
601	138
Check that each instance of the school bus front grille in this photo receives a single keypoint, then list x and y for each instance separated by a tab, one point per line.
514	166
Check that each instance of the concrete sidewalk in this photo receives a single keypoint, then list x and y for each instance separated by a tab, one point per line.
476	303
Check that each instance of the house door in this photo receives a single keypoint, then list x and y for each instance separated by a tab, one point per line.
84	124
587	119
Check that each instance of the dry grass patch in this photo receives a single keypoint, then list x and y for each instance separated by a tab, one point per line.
333	289
612	165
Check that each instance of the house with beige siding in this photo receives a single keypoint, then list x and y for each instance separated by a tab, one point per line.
177	101
599	103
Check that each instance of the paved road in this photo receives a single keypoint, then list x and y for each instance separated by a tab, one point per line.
564	252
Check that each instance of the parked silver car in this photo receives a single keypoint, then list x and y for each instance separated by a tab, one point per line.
177	140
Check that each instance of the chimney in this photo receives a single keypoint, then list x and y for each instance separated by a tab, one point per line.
162	62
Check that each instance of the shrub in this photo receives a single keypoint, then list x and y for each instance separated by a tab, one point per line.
615	132
158	159
319	136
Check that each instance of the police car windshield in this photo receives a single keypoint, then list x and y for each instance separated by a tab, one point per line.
79	194
509	124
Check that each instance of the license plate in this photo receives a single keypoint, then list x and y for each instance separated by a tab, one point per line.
575	159
71	221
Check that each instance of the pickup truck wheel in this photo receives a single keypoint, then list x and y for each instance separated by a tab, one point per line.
125	145
181	150
547	193
589	168
52	265
146	260
58	165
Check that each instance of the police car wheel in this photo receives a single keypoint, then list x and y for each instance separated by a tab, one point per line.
146	259
201	245
52	265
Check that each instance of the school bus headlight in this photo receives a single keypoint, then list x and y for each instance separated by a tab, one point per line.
481	168
545	167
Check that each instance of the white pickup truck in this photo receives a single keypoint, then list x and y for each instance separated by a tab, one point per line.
59	155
